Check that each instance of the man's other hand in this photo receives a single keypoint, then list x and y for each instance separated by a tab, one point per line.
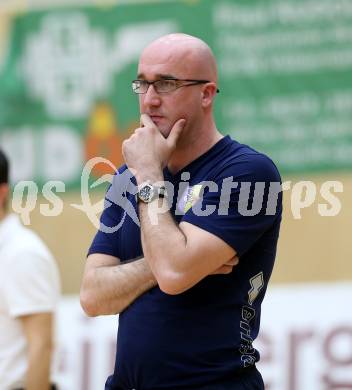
227	267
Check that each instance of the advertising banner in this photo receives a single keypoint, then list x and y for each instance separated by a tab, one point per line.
305	340
285	81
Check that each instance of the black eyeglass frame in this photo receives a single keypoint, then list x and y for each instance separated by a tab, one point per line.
193	82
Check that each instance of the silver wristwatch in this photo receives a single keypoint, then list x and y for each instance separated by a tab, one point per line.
148	192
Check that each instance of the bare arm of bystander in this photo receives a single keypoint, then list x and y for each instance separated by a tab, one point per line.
38	330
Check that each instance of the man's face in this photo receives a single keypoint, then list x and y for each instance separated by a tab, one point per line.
166	108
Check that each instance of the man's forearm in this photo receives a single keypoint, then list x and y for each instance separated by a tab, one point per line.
112	288
164	244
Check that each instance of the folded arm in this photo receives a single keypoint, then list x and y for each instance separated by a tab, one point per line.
108	286
181	255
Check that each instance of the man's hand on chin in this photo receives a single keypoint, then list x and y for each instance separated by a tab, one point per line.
147	151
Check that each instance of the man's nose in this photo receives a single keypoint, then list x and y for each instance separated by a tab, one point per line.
151	97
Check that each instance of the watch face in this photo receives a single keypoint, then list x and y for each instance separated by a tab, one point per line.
146	193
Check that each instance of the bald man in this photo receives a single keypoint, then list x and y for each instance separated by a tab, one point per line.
189	280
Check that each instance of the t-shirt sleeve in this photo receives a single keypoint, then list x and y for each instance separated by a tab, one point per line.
244	204
119	204
31	284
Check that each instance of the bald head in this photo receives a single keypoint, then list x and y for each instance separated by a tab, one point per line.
193	56
187	59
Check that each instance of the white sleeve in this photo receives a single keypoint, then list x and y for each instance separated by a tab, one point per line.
31	284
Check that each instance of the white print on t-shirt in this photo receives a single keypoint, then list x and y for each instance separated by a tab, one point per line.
247	315
189	197
257	283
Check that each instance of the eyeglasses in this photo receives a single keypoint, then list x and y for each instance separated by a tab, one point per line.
164	85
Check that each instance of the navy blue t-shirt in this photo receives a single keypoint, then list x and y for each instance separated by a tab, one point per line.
201	338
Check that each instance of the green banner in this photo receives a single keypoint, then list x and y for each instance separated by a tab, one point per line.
285	81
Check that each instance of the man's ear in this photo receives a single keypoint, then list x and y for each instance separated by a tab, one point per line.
208	94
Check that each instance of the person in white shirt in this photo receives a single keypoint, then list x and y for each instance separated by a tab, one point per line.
29	292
